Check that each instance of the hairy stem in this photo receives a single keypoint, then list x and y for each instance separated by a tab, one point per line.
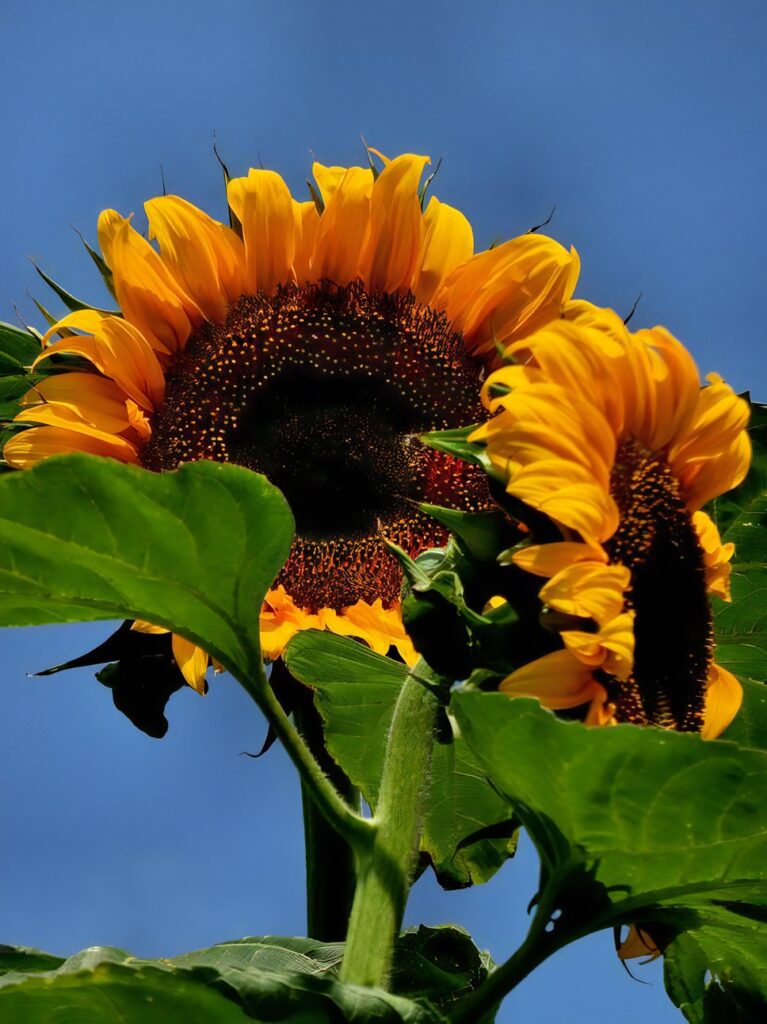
385	868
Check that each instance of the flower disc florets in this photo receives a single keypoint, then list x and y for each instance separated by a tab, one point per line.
324	390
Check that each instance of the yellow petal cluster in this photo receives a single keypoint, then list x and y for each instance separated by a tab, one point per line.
568	397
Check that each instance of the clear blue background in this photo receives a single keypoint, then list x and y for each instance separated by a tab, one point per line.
643	122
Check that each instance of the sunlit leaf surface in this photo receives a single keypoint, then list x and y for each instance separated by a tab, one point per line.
85	538
638	825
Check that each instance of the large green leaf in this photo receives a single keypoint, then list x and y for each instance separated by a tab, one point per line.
638	826
85	538
736	949
269	979
741	625
441	965
356	690
25	960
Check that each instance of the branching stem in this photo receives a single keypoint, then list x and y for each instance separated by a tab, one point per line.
539	944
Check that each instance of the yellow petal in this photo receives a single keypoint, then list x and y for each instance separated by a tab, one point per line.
206	258
264	206
307	226
588	589
121	352
448	242
724	696
88	397
716	556
140	626
343	228
148	293
88	320
29	447
328	179
611	648
390	258
549	559
381	628
109	223
557	680
192	661
714	453
280	620
638	942
508	291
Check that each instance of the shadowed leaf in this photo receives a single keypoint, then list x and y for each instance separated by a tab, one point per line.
356	690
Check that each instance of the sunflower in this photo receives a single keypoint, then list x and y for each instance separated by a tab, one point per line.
311	341
610	435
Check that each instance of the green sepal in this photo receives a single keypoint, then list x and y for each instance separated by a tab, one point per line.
481	535
73	305
106	274
456	442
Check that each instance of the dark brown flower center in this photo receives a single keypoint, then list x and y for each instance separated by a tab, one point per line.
325	391
656	540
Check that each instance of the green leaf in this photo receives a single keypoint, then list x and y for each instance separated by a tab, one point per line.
356	691
741	514
281	980
12	390
740	627
18	348
633	825
194	550
24	960
736	991
440	965
268	953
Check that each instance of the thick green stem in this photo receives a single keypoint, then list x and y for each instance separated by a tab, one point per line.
357	831
330	871
385	869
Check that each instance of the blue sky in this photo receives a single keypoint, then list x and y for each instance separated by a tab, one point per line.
644	123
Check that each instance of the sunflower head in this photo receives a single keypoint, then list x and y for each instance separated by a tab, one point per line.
313	341
610	436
